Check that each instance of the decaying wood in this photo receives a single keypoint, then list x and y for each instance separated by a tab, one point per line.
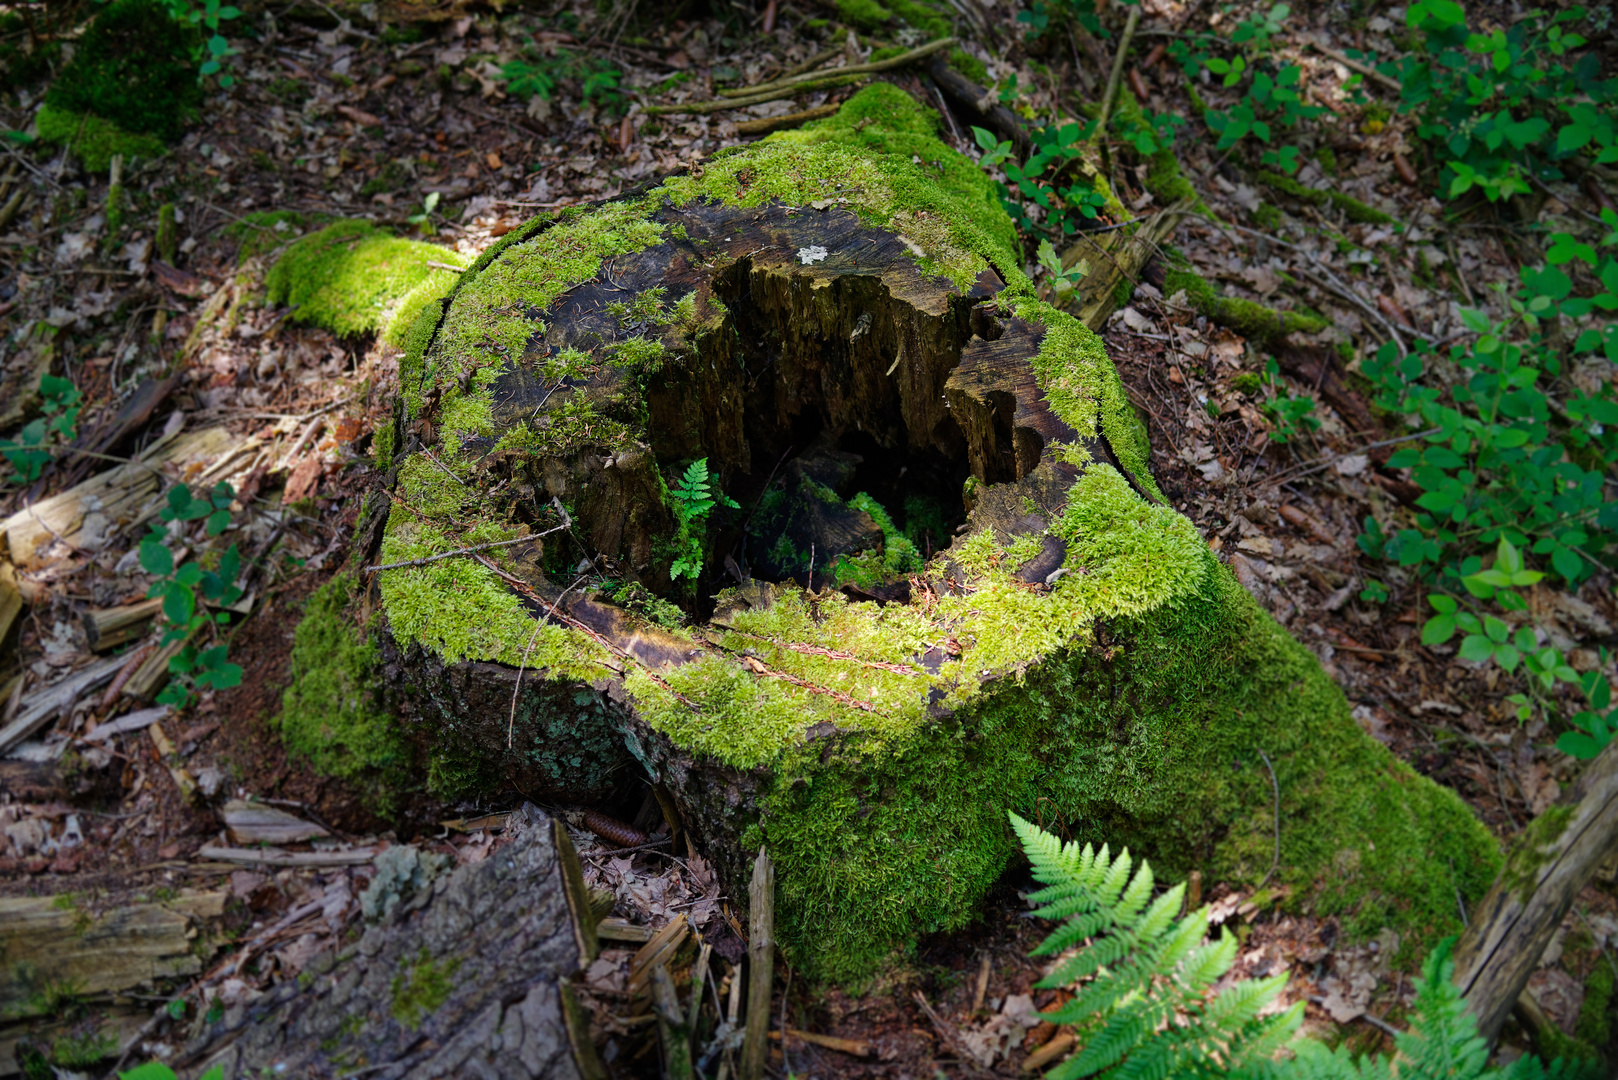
760	965
469	978
108	628
272	857
256	823
979	106
43	705
1118	255
873	67
10	601
767	124
1549	863
47	939
121	497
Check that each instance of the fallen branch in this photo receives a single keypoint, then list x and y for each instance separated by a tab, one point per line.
780	123
475	548
1357	65
852	69
1117	70
720	105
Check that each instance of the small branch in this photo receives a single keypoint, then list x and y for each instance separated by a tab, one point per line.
852	69
720	105
1357	65
760	966
1117	70
566	523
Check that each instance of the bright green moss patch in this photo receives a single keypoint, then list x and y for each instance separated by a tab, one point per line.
352	277
136	68
332	713
1084	389
95	140
1351	207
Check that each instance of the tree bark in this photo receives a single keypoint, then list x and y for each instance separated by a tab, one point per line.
469	977
1548	865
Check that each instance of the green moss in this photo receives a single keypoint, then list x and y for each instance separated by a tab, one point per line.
421	988
332	713
22	62
1084	389
95	140
864	14
1252	320
382	444
1351	207
1247	383
134	67
899	553
1127	700
969	65
1594	1027
262	231
353	278
167	240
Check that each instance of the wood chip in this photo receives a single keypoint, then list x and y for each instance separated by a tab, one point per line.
272	857
857	1047
256	823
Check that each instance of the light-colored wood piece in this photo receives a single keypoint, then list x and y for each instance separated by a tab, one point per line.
271	857
1548	864
120	494
58	940
760	966
43	705
108	628
857	1047
257	823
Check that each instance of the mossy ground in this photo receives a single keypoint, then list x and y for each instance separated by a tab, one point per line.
353	278
1128	702
94	140
135	68
332	713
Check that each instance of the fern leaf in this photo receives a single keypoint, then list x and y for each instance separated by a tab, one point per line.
1206	963
1243	1002
1159	918
1072	933
1124	1030
1182	943
1115	877
1136	893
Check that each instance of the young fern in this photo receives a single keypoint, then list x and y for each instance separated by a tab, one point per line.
1442	1044
1145	1012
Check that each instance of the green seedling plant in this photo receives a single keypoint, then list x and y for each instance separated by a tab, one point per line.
1272	99
536	73
185	588
156	1070
207	15
1053	178
1514	459
1293	414
694	498
1064	280
423	219
28	454
1505	106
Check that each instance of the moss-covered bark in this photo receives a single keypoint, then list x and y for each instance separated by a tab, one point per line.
835	322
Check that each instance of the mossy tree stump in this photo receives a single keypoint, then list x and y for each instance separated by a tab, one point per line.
949	587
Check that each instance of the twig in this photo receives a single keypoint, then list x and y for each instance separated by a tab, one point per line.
1357	65
852	69
1117	70
1275	864
445	266
423	561
511	726
721	104
444	468
1333	459
760	966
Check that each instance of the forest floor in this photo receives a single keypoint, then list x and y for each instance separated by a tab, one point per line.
333	119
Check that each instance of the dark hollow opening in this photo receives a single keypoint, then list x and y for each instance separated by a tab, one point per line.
825	418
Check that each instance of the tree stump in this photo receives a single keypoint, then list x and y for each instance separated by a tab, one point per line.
465	977
948	585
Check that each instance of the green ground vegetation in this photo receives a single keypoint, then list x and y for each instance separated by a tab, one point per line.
130	87
353	278
332	713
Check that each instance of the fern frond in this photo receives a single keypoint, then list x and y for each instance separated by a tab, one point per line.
1159	919
1181	946
1136	893
1243	1002
1116	876
1069	934
1209	961
1123	1031
1444	1041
